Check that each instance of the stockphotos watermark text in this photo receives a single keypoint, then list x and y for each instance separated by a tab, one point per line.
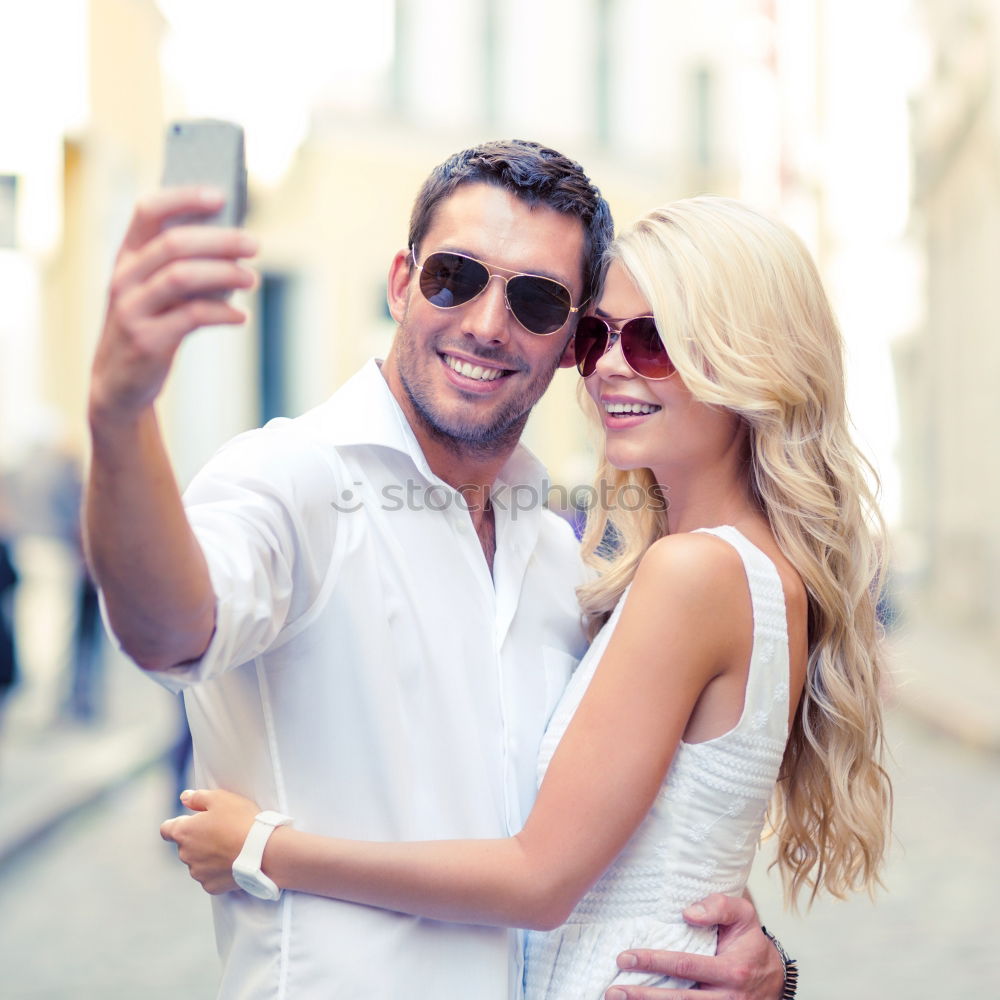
518	498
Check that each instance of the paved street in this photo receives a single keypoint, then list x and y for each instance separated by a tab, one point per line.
933	932
100	910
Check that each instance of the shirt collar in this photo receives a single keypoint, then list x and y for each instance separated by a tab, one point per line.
365	412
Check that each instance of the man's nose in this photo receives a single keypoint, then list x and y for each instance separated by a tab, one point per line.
487	317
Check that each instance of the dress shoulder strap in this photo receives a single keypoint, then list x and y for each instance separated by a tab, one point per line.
767	681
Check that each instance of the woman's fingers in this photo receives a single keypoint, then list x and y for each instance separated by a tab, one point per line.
169	829
197	799
203	839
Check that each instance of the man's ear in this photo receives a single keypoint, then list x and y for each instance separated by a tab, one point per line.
568	359
401	271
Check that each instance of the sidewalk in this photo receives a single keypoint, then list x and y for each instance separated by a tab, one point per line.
50	767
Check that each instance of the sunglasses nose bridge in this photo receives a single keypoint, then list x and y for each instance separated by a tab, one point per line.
506	297
503	280
484	318
614	362
500	278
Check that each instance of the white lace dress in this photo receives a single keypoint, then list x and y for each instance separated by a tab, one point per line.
700	835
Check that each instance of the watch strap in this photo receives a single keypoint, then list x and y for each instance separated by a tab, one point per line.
252	853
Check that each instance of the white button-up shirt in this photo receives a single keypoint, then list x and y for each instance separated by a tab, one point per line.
369	677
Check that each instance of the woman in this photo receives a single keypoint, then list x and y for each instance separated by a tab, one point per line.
735	630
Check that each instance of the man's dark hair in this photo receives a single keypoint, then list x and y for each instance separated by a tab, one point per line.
535	174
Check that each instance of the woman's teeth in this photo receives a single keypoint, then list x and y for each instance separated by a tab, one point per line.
630	408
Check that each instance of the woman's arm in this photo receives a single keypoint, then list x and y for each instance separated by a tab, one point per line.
600	784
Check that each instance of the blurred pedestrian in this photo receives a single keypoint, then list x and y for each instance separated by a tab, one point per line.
8	647
85	701
46	493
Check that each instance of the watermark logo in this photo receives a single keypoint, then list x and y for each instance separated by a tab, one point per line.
518	498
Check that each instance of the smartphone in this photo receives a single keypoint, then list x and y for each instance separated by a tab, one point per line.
211	152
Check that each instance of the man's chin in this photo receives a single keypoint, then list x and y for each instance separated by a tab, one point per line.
460	422
476	435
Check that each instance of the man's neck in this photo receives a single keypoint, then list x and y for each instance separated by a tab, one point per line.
469	469
472	476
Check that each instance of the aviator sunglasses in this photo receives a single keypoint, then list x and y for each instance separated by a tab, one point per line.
540	305
642	348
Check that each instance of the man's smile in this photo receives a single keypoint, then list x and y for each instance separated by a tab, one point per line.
475	370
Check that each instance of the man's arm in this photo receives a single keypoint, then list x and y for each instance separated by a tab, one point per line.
746	966
139	544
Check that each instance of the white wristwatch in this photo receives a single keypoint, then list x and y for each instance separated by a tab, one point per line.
246	867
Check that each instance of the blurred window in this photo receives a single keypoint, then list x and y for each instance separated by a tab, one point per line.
602	73
8	213
274	353
703	113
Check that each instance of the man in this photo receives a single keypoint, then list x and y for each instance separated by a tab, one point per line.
368	640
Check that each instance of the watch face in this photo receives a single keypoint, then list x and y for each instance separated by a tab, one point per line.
255	883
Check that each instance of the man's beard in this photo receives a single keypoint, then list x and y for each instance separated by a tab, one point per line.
498	434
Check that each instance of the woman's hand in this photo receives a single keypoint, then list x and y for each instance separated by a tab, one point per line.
209	841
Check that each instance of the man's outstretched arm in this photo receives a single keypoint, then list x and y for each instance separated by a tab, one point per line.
139	543
746	966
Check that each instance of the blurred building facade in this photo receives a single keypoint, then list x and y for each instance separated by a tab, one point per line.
791	105
330	226
735	97
78	136
947	368
658	101
72	167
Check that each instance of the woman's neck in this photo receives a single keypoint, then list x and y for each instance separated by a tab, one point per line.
714	496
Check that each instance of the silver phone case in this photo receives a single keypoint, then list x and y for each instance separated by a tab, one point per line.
208	151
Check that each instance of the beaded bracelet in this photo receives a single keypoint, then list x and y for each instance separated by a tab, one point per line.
791	983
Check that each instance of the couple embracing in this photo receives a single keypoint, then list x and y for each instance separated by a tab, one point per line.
441	753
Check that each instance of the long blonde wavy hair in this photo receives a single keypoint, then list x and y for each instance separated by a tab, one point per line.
742	312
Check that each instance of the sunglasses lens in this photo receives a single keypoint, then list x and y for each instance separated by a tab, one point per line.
589	344
644	350
448	280
539	304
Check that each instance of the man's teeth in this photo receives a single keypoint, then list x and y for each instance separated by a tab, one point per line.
473	371
630	408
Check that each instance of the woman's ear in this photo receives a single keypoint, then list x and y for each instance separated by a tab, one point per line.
401	271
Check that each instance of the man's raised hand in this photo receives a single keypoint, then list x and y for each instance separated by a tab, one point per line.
166	283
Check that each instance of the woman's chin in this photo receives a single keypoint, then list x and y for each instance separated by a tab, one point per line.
625	459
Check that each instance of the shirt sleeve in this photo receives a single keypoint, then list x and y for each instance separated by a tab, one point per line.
262	513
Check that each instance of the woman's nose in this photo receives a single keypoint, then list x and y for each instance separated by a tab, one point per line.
612	362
